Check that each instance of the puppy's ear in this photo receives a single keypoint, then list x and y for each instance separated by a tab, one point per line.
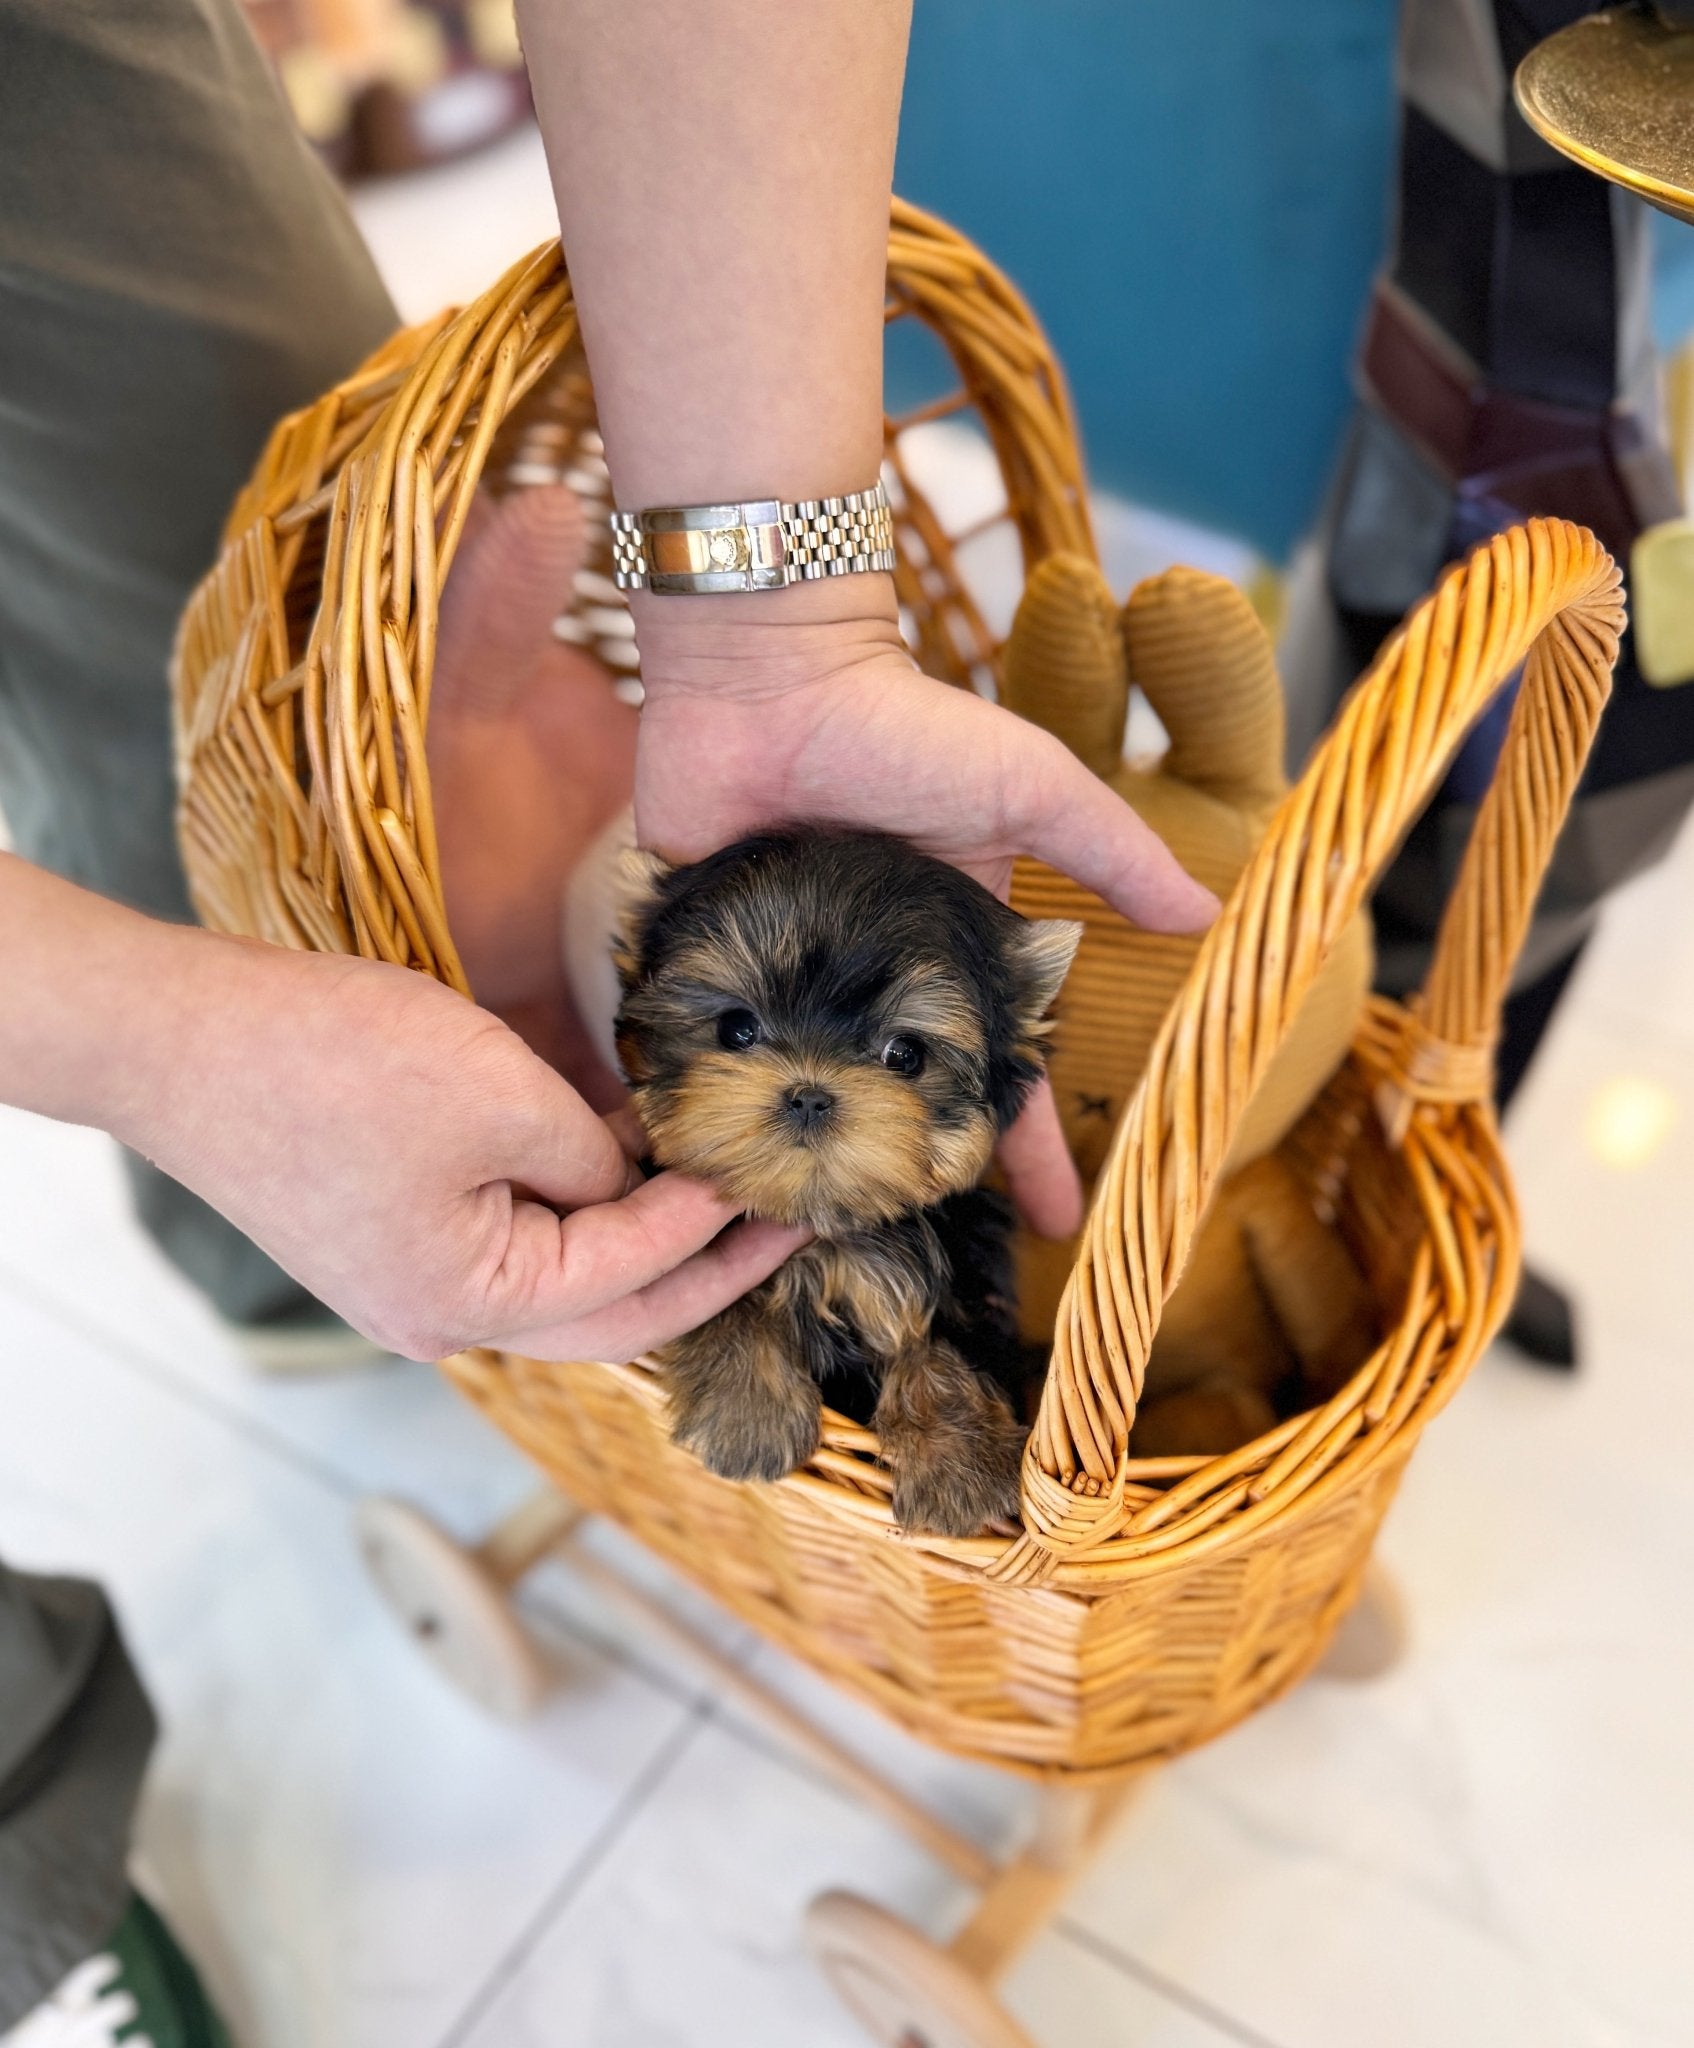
606	901
636	879
1040	954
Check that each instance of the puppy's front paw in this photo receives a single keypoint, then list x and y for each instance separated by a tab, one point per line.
740	1398
753	1432
954	1447
960	1479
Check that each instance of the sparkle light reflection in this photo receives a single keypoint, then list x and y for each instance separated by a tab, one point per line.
1628	1119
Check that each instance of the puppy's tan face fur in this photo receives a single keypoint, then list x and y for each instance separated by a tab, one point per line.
831	1029
886	1140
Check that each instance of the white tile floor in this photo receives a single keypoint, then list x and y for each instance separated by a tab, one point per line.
1492	1848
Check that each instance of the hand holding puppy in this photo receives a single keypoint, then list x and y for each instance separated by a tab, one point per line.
399	1151
407	1158
807	706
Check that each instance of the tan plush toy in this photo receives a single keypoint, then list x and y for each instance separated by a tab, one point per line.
1270	1307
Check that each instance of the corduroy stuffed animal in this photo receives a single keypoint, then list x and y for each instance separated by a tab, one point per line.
1271	1311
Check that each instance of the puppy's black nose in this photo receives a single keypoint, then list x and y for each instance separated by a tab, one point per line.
809	1106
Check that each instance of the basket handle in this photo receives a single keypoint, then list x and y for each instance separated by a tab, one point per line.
1546	589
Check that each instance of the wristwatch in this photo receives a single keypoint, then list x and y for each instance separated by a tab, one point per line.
694	550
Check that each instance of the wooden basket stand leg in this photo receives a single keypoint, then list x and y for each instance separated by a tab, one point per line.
911	1992
456	1602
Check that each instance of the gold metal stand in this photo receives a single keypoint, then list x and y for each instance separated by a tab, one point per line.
1615	92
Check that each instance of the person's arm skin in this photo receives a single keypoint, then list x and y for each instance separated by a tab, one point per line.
396	1149
723	177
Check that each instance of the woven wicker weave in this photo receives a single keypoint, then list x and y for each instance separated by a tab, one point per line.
1144	1607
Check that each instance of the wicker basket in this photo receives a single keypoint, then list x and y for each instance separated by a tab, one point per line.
1144	1606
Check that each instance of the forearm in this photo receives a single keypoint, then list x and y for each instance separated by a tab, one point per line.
368	1128
723	177
92	997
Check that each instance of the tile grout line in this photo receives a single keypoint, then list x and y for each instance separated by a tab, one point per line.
586	1636
166	1381
742	1725
751	1736
701	1708
342	1485
707	1711
558	1901
1164	1987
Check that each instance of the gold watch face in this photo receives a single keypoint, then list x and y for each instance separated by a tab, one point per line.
727	547
700	550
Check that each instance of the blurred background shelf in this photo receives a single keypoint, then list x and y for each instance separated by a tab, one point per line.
385	86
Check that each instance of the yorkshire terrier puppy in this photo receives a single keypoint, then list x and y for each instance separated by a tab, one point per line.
833	1029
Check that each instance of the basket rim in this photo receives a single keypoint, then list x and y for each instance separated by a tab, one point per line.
400	482
1480	1178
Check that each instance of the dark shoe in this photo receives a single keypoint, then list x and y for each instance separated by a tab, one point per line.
1542	1324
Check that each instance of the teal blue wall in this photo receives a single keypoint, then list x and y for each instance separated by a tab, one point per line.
1673	280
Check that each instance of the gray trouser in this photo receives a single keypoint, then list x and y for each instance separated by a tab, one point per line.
175	272
75	1729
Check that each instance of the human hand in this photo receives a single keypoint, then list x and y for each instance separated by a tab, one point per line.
530	753
817	712
413	1164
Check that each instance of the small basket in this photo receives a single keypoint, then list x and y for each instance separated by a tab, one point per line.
1144	1606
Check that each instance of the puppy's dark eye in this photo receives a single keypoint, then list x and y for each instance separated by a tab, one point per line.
903	1055
738	1029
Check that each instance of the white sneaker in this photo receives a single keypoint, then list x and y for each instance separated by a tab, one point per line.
140	1991
90	2009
